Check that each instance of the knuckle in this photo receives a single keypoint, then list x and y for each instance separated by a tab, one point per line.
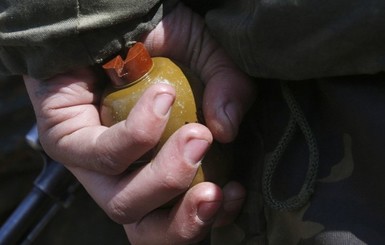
172	182
145	138
188	235
118	212
108	165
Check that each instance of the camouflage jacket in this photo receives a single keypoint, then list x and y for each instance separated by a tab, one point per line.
313	146
347	206
310	151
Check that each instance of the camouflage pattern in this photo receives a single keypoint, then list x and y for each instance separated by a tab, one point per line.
322	48
301	39
347	207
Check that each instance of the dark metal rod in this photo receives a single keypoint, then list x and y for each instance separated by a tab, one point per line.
39	227
23	217
53	187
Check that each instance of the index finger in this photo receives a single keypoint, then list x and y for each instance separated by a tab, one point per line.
67	110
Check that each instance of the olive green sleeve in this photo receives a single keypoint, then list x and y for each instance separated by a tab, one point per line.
295	40
42	38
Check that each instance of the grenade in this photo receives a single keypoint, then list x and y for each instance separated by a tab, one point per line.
138	72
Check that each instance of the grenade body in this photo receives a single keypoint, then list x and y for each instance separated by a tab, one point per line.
118	102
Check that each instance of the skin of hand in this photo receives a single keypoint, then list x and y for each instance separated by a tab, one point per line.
67	112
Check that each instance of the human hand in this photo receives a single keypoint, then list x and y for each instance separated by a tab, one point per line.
66	107
182	36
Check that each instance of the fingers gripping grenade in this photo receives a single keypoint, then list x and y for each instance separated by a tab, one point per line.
132	76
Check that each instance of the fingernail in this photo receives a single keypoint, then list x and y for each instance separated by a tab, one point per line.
233	117
195	149
207	210
162	104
